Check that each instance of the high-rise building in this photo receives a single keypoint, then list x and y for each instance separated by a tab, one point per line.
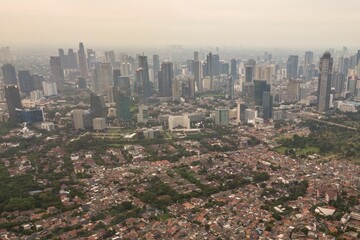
213	65
116	75
97	106
5	55
249	73
156	66
81	119
143	115
57	73
26	82
260	86
308	60
196	56
124	84
9	74
324	86
13	100
99	124
358	58
230	87
49	88
102	77
91	58
110	58
166	77
197	75
82	61
81	82
267	105
292	66
234	69
143	78
293	91
122	101
222	117
36	95
38	80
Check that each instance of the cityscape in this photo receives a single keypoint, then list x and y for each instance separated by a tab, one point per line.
145	140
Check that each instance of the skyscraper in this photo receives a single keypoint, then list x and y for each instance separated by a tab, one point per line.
143	78
116	75
26	82
324	86
49	89
267	104
249	73
196	56
230	87
234	69
292	67
110	58
97	106
156	67
82	61
213	65
102	77
260	86
9	74
197	75
57	73
222	117
308	61
13	100
166	76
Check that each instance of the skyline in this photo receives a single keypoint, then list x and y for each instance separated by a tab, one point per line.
240	24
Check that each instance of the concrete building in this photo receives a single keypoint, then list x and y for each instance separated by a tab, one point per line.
99	123
49	88
222	117
179	122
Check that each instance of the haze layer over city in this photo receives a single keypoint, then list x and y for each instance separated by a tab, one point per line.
179	119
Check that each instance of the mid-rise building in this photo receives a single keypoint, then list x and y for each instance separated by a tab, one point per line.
222	117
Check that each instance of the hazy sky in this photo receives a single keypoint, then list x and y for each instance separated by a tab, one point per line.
132	23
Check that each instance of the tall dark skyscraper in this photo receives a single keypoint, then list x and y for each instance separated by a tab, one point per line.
122	95
143	78
9	74
213	65
97	106
166	76
249	73
292	67
13	100
230	87
260	86
116	75
57	73
26	82
234	69
82	61
267	104
156	66
358	58
324	86
124	84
